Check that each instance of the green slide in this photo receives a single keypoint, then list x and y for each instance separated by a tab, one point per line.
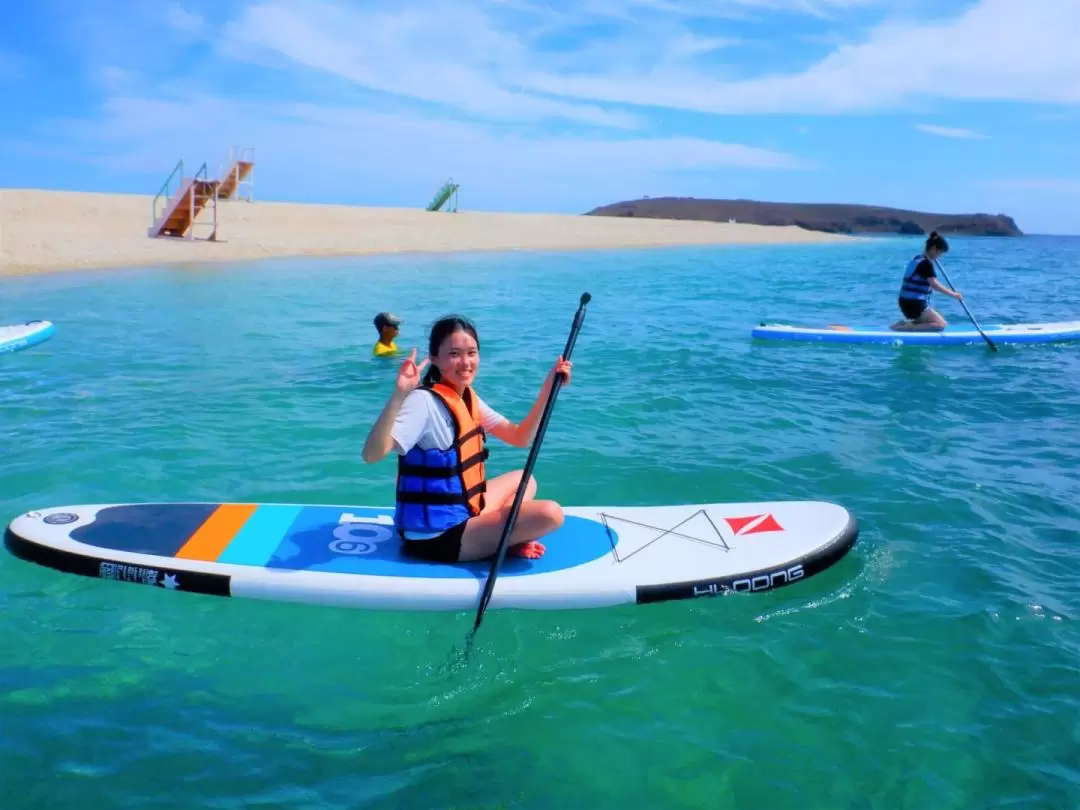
448	190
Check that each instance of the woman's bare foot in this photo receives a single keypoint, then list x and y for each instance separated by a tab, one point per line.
532	550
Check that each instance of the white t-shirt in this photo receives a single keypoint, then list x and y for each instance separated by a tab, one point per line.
424	420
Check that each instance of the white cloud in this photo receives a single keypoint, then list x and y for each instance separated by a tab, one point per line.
995	50
445	57
117	80
523	61
721	9
1058	116
343	152
133	37
505	60
460	58
948	132
183	20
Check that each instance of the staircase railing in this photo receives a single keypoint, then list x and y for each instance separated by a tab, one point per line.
239	154
165	192
199	199
244	154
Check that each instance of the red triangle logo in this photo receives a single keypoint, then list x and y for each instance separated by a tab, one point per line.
737	523
753	524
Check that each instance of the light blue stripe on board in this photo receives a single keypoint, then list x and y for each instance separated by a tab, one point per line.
260	536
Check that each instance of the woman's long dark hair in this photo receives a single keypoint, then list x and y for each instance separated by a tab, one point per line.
444	328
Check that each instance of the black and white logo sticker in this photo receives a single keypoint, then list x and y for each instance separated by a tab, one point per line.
60	518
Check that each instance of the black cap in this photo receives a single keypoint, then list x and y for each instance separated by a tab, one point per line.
384	319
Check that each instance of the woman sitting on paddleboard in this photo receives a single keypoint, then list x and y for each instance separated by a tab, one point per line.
446	510
919	278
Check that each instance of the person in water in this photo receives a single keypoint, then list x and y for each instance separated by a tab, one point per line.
446	510
388	327
915	289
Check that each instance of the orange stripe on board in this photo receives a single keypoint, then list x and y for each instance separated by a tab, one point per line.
217	532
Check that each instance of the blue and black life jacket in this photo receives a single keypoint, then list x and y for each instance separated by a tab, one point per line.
438	489
915	286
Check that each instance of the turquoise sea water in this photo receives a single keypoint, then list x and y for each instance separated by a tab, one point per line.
937	666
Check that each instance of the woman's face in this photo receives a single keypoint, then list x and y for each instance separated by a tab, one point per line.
458	359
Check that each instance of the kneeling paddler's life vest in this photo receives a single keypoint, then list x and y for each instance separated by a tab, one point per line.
913	286
438	489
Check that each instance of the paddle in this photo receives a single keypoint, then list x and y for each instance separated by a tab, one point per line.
527	472
978	328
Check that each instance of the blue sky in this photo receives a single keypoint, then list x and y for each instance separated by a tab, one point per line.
554	105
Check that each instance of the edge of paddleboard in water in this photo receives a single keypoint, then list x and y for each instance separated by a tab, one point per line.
16	337
349	556
951	335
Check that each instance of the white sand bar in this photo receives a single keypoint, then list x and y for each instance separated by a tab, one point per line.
61	230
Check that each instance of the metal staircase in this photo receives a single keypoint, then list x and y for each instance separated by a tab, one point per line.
175	213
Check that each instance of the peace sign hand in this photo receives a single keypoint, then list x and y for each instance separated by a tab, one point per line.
409	374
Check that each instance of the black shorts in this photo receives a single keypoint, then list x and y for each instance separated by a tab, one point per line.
912	307
445	548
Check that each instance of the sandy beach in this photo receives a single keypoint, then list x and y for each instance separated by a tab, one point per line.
59	230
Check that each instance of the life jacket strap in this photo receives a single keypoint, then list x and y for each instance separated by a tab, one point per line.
442	498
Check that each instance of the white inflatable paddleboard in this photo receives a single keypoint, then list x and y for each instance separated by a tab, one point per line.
350	556
962	334
25	335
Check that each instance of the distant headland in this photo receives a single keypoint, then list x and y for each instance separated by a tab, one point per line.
827	217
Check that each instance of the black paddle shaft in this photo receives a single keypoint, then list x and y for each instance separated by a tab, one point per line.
978	328
534	451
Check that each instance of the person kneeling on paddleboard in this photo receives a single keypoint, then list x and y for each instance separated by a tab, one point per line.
919	278
446	510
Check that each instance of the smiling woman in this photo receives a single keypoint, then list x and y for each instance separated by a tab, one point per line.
446	510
